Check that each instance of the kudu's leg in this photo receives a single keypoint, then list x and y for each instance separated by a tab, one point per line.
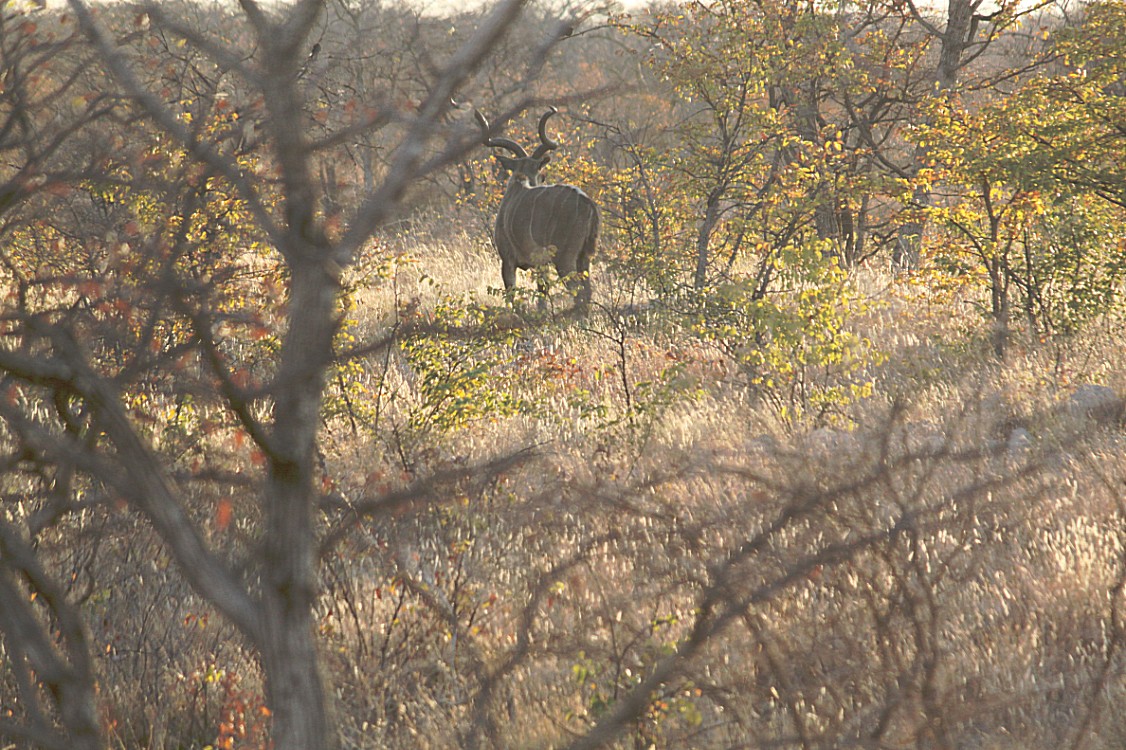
508	275
543	288
576	273
583	269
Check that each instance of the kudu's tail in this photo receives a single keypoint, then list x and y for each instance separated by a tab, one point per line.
590	245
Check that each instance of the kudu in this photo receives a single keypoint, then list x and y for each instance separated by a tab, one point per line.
539	224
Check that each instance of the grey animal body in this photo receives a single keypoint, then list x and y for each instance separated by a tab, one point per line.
540	224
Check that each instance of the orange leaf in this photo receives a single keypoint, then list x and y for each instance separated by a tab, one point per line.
223	513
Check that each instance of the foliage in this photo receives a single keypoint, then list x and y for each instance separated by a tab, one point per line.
1015	210
277	469
652	219
457	375
794	346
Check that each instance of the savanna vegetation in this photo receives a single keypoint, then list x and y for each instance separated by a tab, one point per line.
833	458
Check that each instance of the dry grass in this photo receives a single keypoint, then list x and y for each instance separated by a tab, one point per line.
974	605
940	566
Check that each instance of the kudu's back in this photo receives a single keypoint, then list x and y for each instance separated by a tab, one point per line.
555	224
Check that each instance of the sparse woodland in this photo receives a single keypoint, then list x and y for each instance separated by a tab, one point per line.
836	456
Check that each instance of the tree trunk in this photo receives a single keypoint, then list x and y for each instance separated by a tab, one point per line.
828	226
909	237
289	654
826	220
960	30
704	238
999	299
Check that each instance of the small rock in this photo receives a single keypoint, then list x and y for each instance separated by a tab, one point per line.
1098	403
826	442
1019	440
